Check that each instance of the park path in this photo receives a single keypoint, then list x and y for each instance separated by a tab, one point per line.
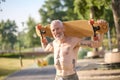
44	73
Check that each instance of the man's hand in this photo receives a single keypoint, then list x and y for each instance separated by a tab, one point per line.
102	22
98	38
39	33
38	28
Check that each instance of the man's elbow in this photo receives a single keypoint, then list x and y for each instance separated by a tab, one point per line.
48	50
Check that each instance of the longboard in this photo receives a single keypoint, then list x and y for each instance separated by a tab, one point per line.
76	28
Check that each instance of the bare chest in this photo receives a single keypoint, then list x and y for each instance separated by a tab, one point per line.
63	50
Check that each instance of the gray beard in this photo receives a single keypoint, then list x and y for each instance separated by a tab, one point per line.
61	37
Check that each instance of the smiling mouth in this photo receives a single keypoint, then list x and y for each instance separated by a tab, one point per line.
58	35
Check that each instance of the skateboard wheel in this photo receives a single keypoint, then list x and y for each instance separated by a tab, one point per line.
91	21
39	26
95	38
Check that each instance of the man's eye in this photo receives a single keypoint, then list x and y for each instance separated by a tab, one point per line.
57	29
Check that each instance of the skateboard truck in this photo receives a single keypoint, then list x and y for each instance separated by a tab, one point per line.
95	28
39	26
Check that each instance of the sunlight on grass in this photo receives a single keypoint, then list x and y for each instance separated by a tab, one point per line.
10	65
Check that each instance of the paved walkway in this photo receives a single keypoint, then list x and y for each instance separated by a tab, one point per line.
45	73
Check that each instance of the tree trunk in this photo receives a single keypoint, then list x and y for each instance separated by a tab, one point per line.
116	15
92	12
92	15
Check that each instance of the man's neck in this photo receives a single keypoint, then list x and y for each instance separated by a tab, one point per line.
62	40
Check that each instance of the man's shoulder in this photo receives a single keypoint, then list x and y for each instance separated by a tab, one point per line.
74	38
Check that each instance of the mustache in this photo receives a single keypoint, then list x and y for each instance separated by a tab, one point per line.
60	37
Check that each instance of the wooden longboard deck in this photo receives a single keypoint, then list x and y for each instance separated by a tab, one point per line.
77	28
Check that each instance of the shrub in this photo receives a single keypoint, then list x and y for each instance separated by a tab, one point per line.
42	62
10	55
82	53
50	59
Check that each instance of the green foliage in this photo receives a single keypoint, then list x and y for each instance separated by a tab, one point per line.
83	8
108	12
31	39
8	36
82	53
57	9
50	59
10	39
9	55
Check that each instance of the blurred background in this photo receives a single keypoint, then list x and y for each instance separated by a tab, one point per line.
19	44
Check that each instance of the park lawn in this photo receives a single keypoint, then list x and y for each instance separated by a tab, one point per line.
10	65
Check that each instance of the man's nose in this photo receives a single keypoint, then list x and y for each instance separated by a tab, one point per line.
55	31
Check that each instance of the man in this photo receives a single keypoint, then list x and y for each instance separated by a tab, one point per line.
65	50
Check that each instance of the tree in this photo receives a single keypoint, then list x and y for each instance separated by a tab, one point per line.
57	9
69	6
116	14
8	34
85	8
31	38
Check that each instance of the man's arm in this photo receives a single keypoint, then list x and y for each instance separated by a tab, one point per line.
46	46
44	43
95	43
49	47
92	44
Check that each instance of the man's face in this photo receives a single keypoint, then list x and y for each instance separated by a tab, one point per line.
57	31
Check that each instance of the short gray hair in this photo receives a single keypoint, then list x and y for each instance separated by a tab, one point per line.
56	21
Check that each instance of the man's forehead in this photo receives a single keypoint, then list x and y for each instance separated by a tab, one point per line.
56	23
56	26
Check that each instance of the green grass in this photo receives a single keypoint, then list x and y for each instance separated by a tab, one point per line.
9	65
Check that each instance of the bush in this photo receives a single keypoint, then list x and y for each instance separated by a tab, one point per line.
82	53
50	59
42	62
10	55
